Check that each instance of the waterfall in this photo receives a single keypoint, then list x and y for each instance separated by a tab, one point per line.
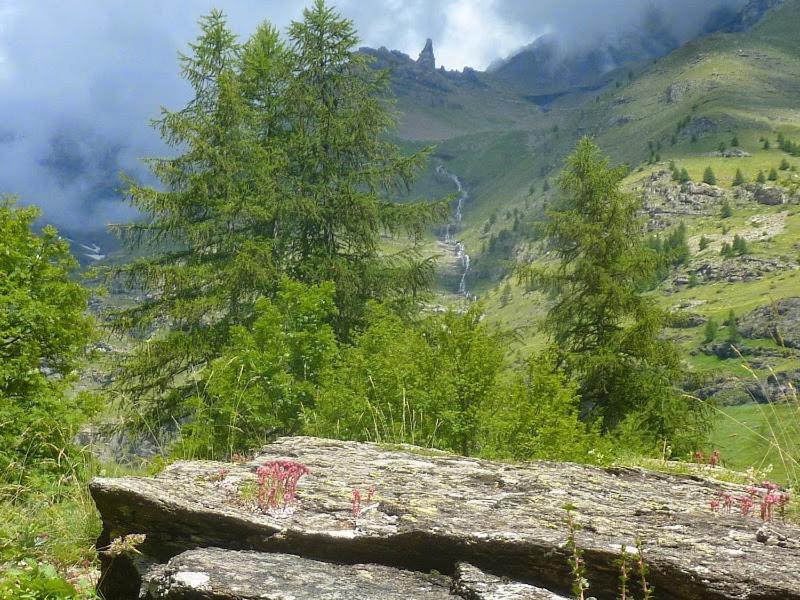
462	258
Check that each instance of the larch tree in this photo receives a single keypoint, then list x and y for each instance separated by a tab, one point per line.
281	168
606	331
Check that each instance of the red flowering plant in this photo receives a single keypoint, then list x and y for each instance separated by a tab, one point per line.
356	507
768	496
277	484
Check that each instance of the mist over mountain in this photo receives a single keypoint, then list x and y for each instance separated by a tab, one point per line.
80	82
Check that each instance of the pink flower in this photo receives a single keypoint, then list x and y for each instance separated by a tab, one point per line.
727	501
714	505
356	500
277	483
713	460
745	505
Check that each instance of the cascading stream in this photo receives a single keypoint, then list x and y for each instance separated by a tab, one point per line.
462	258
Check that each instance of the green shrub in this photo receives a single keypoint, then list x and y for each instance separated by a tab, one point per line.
709	177
43	333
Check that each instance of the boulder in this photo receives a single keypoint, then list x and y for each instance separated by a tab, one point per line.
779	321
217	574
770	196
474	584
432	511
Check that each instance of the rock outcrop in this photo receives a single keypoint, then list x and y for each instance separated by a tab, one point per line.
426	59
779	321
437	525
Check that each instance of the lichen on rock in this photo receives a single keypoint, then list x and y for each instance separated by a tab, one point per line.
436	510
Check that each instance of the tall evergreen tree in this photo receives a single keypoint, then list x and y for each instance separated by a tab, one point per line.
709	177
282	168
607	332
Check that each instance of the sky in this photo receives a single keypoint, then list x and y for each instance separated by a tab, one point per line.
81	79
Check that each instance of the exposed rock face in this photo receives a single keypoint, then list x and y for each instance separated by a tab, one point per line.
426	58
751	14
433	511
779	321
667	202
740	268
771	196
474	584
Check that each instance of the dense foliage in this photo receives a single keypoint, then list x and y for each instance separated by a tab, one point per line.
43	332
606	331
282	170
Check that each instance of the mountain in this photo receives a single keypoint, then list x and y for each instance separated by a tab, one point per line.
711	102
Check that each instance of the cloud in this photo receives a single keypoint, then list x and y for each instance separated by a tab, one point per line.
80	80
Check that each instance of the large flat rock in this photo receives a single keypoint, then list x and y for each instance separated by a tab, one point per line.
216	574
433	511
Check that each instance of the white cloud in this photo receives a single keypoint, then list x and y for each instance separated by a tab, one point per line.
475	35
7	12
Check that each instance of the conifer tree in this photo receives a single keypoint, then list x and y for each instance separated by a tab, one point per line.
739	178
606	331
282	169
761	178
773	174
709	177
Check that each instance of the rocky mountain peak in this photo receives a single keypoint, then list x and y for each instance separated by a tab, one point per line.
426	58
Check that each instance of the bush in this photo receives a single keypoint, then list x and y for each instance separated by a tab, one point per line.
427	382
709	177
739	245
785	165
538	417
726	211
704	242
773	174
267	375
43	332
761	178
739	178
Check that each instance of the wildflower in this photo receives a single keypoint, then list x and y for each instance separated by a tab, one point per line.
714	505
126	544
277	483
713	460
727	501
768	504
699	457
356	500
746	505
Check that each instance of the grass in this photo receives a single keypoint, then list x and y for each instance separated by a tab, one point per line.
765	437
47	538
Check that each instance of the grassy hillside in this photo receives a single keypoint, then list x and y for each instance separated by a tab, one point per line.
731	91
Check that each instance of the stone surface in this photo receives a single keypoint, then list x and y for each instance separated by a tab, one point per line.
426	58
217	574
779	321
474	584
434	510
